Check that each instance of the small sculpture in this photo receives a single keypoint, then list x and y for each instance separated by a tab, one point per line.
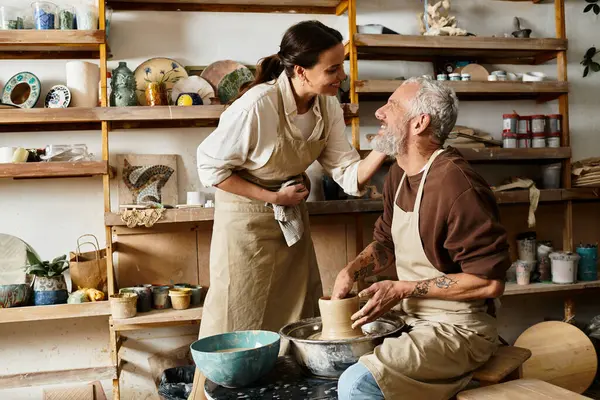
438	22
122	87
520	33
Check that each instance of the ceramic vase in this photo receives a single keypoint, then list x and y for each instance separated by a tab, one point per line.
180	298
50	290
123	305
156	94
336	318
122	87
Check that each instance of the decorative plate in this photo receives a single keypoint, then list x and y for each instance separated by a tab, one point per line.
230	85
193	84
161	70
22	90
59	96
216	71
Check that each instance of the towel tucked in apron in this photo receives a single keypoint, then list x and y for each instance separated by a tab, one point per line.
257	281
448	339
289	217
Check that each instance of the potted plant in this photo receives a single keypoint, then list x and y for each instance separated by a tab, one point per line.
49	286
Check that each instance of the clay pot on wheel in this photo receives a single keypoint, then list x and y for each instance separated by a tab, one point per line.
336	318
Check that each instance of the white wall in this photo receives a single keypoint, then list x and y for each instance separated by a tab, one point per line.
51	214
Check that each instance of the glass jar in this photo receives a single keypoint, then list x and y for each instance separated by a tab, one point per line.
87	17
45	15
539	140
11	18
553	140
509	140
66	18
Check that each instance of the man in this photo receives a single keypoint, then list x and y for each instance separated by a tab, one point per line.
440	230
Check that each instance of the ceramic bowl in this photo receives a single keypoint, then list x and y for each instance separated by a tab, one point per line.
15	295
256	357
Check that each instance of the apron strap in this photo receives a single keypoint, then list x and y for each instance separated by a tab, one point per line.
417	206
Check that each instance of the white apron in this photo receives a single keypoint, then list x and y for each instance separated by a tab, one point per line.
256	280
448	339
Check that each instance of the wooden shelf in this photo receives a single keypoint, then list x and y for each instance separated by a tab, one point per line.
50	44
36	170
469	48
58	311
548	195
207	214
240	6
158	318
48	119
42	378
540	91
513	289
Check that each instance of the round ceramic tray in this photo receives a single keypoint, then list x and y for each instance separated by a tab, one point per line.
22	90
230	85
59	96
157	70
193	84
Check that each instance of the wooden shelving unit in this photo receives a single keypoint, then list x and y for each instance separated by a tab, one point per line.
83	375
41	170
157	319
51	44
512	289
58	311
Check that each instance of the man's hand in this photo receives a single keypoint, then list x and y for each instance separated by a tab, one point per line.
384	295
343	285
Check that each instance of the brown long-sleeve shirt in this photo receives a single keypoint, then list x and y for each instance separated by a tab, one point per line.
459	217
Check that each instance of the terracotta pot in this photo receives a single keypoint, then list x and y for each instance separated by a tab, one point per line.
180	298
156	94
336	318
123	305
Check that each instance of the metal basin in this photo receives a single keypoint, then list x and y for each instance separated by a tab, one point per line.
329	358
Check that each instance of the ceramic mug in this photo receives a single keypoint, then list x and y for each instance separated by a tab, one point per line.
195	198
523	273
6	154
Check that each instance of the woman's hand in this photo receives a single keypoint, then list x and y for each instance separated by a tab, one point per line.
384	296
343	285
291	195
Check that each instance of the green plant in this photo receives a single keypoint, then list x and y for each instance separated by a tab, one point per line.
35	266
592	6
589	63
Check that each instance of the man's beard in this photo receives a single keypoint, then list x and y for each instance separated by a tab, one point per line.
391	142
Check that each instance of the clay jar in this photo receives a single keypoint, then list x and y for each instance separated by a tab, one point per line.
336	318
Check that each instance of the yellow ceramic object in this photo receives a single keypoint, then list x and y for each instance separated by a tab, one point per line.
185	100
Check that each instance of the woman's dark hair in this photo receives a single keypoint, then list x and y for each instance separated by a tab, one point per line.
302	44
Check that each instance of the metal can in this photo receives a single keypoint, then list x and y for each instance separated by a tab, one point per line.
509	123
509	140
454	77
539	140
538	124
553	140
442	77
555	122
465	77
524	124
523	141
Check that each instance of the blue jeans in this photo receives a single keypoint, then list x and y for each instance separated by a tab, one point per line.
357	383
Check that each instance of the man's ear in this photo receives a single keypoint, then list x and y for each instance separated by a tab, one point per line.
421	123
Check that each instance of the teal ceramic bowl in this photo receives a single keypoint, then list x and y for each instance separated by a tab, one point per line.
16	295
256	357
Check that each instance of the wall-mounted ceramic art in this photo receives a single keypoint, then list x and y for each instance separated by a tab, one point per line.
159	70
59	96
147	178
22	90
193	84
226	78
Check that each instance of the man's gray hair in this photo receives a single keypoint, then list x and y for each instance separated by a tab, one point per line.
439	102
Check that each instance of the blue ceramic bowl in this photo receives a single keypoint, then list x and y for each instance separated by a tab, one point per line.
256	357
49	297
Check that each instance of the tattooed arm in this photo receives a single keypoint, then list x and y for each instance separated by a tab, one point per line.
374	259
386	294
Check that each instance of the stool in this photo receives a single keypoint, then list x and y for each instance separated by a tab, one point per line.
505	365
520	389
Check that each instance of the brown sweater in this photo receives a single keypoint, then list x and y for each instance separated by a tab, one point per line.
459	218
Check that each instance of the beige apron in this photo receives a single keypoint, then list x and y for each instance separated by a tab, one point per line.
256	280
448	339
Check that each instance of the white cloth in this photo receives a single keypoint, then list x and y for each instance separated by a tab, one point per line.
289	218
247	134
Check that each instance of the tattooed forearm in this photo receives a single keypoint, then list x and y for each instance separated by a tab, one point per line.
372	260
422	287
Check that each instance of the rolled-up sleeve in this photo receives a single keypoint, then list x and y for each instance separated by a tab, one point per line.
340	159
228	146
476	240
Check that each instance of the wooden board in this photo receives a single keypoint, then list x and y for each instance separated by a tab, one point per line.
513	289
483	49
163	255
521	389
36	170
33	44
542	91
57	311
168	192
263	6
70	393
42	378
157	318
561	354
506	360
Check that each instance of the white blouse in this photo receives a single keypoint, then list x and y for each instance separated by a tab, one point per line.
247	134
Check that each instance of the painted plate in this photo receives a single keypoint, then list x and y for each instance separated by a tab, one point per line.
59	96
22	90
157	70
230	85
216	71
193	84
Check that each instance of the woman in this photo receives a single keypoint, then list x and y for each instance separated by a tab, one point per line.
284	121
